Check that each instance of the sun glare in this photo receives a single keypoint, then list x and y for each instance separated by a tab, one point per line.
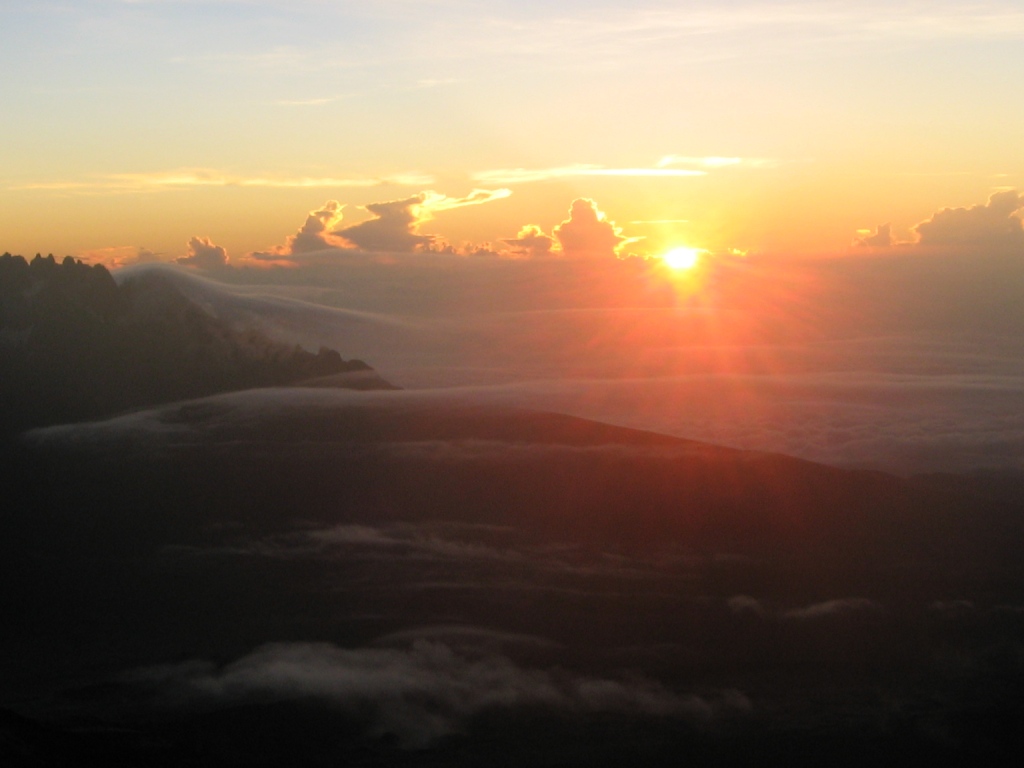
682	258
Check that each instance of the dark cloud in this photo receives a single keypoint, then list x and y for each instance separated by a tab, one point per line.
744	604
421	692
393	228
203	254
829	608
993	225
458	636
587	232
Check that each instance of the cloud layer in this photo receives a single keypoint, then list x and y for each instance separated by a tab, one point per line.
419	693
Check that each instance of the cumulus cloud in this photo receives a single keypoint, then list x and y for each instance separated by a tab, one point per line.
531	242
587	232
991	225
315	233
313	236
393	227
395	224
881	238
204	254
421	692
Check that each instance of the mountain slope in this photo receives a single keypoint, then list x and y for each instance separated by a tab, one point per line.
78	346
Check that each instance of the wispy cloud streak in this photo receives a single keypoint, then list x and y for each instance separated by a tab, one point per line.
526	175
118	183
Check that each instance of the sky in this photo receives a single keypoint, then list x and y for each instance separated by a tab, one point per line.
134	126
479	196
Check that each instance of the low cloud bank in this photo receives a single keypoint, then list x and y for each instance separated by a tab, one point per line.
904	423
418	693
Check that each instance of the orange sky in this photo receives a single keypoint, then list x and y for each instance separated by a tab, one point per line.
755	125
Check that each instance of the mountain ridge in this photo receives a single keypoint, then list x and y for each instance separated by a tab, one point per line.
77	346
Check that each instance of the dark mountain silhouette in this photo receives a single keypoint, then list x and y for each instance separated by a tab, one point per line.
75	346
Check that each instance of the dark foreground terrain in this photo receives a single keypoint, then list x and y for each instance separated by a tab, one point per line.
307	577
76	345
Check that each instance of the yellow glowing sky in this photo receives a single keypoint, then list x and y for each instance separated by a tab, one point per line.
763	126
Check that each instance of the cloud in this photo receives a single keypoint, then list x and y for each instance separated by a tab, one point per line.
120	256
882	238
525	175
458	636
418	693
146	256
531	242
433	201
306	182
394	228
746	605
587	232
829	608
315	234
993	225
125	183
203	254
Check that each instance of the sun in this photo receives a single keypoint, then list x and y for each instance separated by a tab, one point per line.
682	258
